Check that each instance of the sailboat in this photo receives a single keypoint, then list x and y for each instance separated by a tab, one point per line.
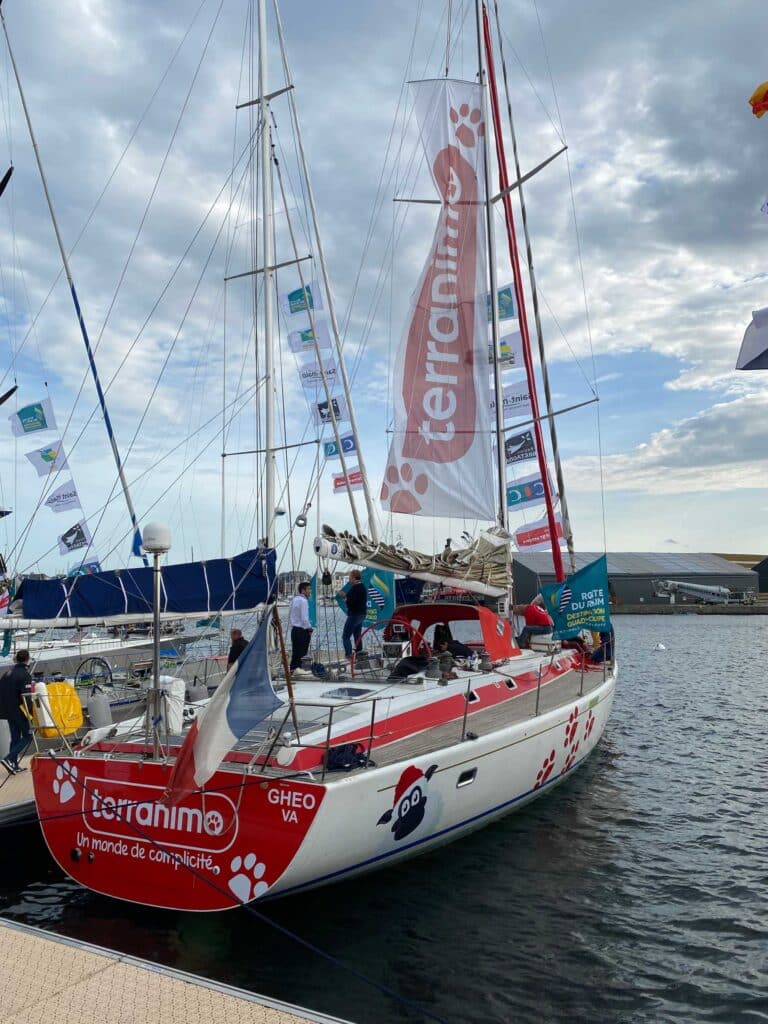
284	785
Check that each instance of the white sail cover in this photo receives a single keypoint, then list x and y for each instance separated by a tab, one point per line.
440	461
753	354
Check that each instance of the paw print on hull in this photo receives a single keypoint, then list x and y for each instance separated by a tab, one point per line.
469	127
546	770
571	727
589	724
247	878
63	784
401	488
571	757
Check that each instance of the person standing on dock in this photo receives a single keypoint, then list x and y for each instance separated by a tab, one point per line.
357	602
13	684
301	630
239	643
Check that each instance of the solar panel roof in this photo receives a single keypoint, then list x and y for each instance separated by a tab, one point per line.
640	563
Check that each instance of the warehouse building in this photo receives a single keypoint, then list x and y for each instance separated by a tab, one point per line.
634	576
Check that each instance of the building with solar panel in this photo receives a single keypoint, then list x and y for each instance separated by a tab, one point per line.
641	577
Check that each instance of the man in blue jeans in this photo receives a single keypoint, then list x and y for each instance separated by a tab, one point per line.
357	602
13	684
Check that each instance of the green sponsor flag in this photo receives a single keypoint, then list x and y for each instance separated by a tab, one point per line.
581	602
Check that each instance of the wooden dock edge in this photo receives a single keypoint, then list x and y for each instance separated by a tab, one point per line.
92	982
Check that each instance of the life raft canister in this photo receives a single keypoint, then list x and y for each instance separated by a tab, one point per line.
56	710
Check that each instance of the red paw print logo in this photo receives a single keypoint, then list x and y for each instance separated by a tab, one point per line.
545	771
589	725
571	727
402	488
571	757
469	127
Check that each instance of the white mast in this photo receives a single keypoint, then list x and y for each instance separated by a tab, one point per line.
269	273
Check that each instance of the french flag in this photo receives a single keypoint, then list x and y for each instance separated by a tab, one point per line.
243	698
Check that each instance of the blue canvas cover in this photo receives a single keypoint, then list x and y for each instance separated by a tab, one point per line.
221	584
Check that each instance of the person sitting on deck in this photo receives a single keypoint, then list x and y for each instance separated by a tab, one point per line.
537	620
604	652
456	648
445	659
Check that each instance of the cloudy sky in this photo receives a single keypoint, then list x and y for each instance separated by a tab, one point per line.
665	173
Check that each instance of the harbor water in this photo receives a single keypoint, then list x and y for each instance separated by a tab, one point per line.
635	892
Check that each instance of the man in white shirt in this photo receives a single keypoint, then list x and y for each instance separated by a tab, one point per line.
298	619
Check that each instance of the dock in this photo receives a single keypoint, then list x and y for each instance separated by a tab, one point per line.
48	977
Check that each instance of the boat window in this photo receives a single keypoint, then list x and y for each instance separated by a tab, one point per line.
345	692
473	697
511	684
466	778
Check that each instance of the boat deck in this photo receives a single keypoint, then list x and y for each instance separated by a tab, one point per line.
248	753
47	977
17	801
560	692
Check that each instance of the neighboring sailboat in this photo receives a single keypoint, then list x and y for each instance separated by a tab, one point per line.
277	790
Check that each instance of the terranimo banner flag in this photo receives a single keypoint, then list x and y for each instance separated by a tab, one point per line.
37	416
302	299
438	460
64	498
48	458
587	606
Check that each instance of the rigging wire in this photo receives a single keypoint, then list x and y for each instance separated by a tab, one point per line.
151	469
583	280
114	171
156	185
52	478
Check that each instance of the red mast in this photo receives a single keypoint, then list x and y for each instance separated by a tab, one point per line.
557	559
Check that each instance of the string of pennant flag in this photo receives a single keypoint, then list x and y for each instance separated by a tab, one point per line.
527	490
39	417
303	342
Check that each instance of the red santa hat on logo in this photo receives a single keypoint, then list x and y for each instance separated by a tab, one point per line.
410	776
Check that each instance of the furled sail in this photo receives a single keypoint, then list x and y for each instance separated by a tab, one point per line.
440	460
483	567
222	584
753	354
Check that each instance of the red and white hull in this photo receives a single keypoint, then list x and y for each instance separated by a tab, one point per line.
252	836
